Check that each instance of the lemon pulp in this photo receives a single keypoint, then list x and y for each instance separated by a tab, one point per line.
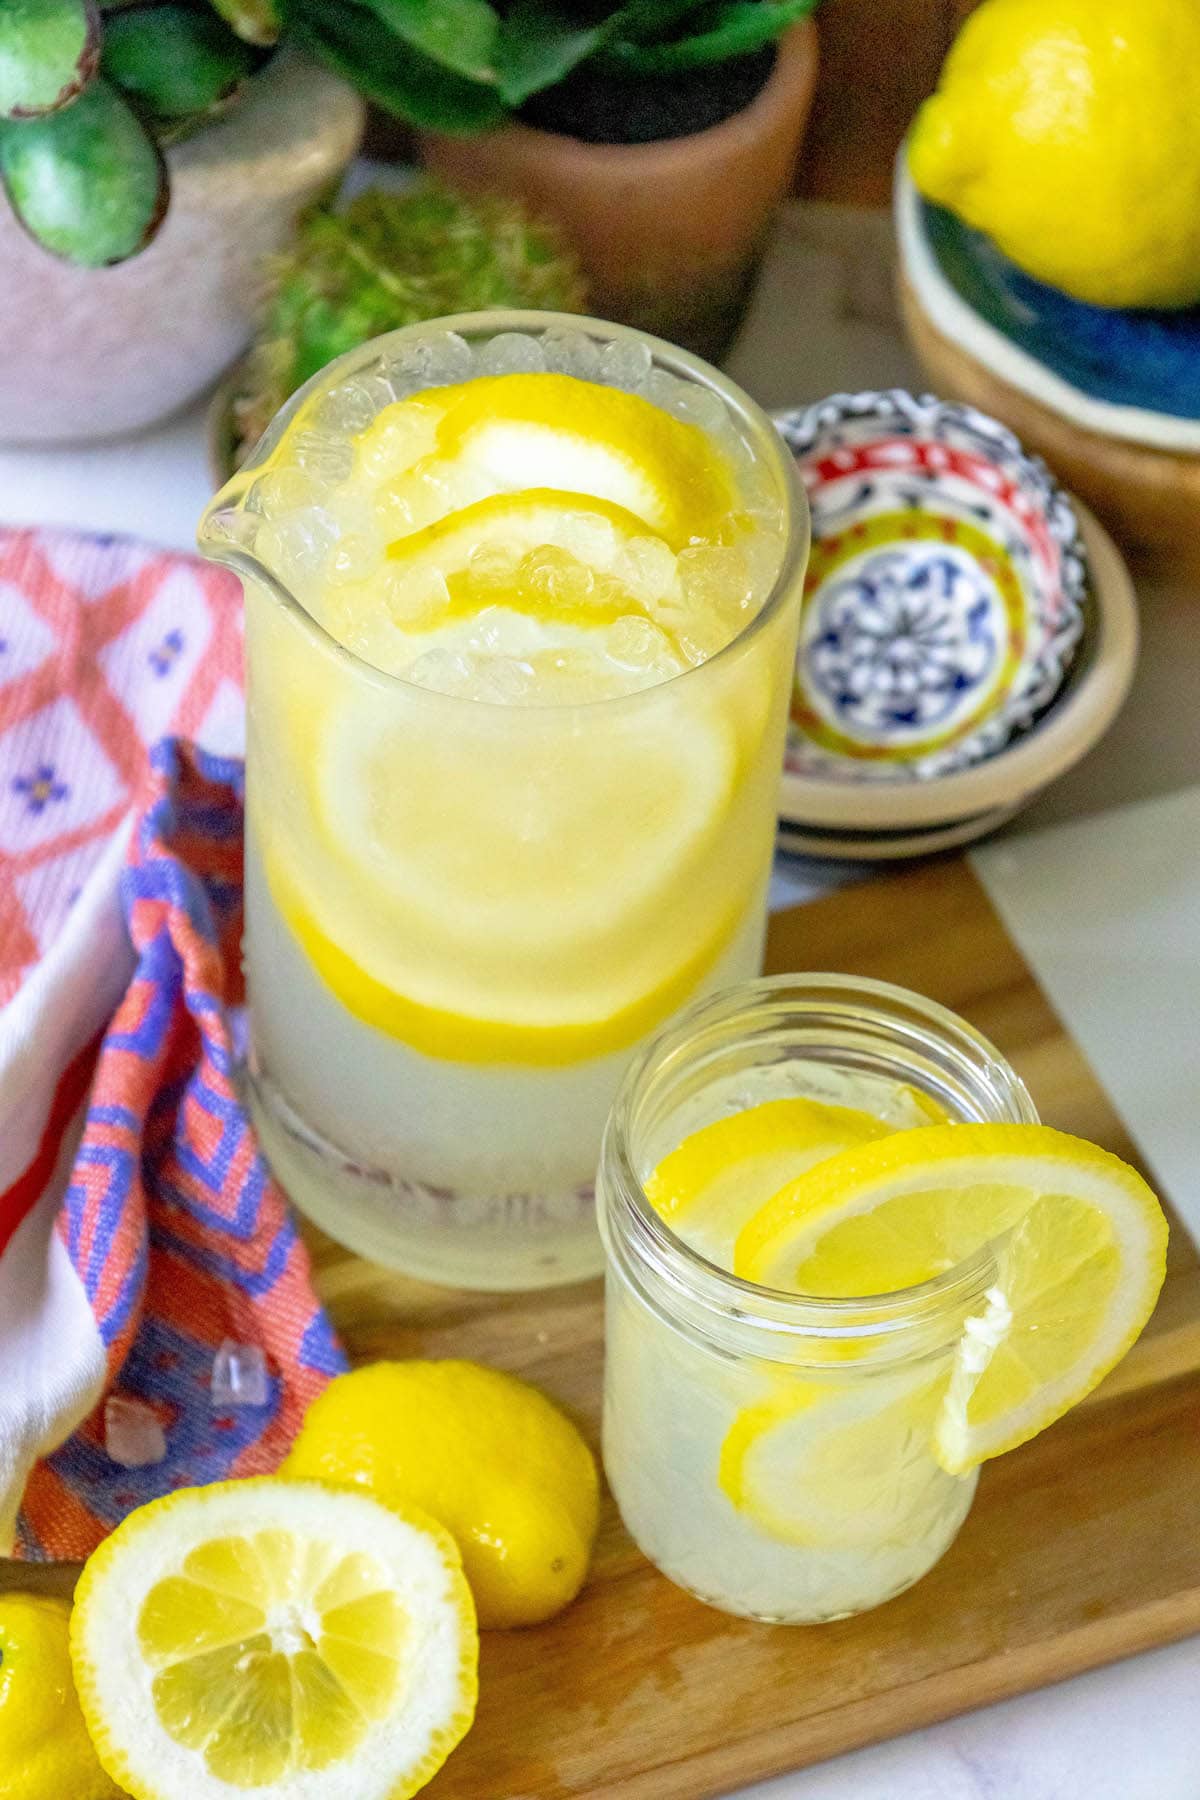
264	1634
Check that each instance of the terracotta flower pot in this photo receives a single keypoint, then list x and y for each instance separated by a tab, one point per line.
669	233
88	352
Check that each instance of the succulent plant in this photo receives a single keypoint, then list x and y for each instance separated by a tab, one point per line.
388	260
89	95
461	65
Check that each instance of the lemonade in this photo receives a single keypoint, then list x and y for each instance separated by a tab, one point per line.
846	1264
521	605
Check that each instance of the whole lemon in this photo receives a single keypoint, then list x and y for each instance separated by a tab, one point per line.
45	1750
1069	132
488	1456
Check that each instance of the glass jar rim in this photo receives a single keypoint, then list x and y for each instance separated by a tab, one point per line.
229	500
683	1272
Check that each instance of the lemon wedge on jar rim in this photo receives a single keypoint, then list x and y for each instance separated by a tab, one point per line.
1079	1246
274	1636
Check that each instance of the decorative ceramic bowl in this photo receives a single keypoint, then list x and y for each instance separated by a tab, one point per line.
826	816
945	589
1110	397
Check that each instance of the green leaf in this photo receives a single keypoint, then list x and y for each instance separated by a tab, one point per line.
736	28
174	63
254	21
459	34
388	70
639	20
49	50
539	43
88	182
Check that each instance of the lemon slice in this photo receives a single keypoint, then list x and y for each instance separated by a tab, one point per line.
841	1466
1079	1243
708	1188
278	1636
543	430
515	524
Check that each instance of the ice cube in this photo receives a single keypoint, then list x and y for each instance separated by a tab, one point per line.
414	597
697	405
344	411
281	491
297	544
444	671
662	389
556	576
498	631
501	681
511	353
638	644
648	568
400	440
376	389
568	352
353	558
591	540
239	1376
133	1436
492	565
438	487
625	363
763	551
328	459
714	576
438	359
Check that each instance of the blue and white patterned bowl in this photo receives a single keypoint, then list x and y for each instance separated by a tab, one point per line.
945	592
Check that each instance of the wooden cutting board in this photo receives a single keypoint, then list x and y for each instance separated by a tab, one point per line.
1082	1547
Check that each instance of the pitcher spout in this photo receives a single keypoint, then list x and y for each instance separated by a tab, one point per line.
228	530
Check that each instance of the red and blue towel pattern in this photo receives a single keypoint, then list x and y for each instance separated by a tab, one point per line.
139	1225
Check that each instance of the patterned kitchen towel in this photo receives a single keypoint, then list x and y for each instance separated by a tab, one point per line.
139	1227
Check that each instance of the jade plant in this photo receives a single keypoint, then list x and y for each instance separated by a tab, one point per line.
92	91
464	65
383	261
91	94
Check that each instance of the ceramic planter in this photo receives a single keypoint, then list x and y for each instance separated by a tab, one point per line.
669	233
89	352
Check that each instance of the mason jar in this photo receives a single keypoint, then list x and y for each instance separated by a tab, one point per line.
772	1452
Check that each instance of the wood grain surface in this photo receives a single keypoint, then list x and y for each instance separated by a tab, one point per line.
1082	1547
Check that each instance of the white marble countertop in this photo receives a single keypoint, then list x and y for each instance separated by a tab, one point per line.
824	320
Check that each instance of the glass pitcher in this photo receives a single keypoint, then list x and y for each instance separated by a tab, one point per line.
462	918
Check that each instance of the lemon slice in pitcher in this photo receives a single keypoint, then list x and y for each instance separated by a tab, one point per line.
591	532
1079	1245
543	430
274	1636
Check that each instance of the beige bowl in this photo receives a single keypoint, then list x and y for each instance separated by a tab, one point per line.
85	353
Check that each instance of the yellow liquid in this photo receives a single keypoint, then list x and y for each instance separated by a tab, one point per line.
473	890
799	1489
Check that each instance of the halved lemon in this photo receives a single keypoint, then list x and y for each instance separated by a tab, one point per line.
285	1637
720	1175
1078	1238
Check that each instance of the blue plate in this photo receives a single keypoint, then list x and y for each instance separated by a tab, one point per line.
1149	360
